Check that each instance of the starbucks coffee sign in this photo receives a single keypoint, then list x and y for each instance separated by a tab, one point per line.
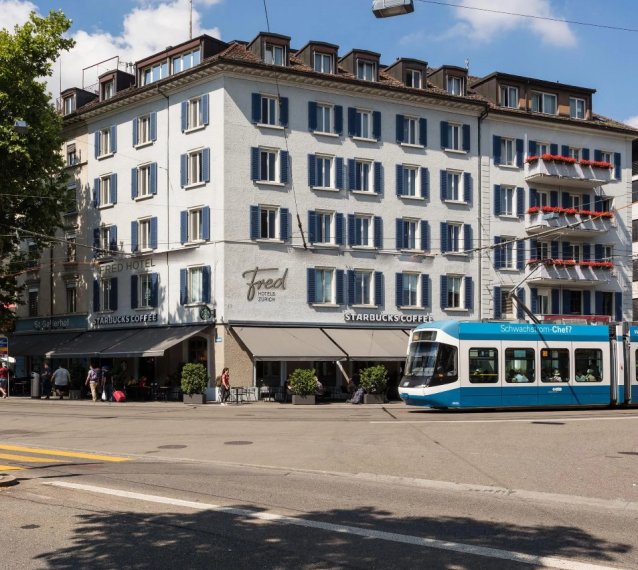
264	283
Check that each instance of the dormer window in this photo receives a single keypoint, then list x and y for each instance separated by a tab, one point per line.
275	55
366	70
544	103
455	85
323	63
155	72
509	97
185	61
68	104
413	78
576	108
108	89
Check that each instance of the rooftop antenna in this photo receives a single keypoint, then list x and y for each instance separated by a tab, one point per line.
467	63
190	21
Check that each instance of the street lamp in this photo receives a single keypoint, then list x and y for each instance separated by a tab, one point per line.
389	8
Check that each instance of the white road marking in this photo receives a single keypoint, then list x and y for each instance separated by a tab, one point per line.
510	420
543	561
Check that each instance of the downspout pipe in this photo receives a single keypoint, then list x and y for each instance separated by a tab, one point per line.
168	203
481	118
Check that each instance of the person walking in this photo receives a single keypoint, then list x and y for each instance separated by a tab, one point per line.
107	383
61	380
45	379
93	380
225	386
4	380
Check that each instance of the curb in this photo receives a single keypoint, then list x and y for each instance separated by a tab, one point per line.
7	480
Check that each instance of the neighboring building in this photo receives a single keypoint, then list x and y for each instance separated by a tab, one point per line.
262	208
634	228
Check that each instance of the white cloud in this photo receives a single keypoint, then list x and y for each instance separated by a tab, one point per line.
14	12
632	121
485	26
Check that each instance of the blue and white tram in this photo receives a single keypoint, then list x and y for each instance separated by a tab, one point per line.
458	364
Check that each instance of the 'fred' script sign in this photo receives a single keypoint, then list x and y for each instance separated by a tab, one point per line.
262	286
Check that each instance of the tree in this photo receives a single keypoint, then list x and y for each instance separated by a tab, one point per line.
33	193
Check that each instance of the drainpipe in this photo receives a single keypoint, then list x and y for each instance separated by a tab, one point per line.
168	204
481	118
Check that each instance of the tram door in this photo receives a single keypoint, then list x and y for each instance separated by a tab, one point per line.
520	374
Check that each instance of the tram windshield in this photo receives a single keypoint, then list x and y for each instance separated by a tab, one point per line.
430	364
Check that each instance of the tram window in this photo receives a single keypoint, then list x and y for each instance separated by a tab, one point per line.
446	370
519	365
555	365
483	363
589	363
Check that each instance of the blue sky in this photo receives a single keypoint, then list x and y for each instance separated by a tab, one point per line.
594	57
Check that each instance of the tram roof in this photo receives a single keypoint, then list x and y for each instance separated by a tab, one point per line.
466	330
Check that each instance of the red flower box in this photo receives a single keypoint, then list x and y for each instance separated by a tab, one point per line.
596	163
552	158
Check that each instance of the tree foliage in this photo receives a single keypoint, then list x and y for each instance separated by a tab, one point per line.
33	193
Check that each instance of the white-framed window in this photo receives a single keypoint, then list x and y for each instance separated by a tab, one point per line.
155	72
72	157
70	242
363	176
607	204
366	70
363	126
144	291
195	114
576	108
268	222
507	305
324	286
508	253
33	302
410	234
105	142
105	239
105	294
105	190
575	152
144	180
454	136
606	157
269	110
268	171
195	228
363	236
542	303
410	130
544	103
362	287
325	118
410	290
608	253
454	237
143	129
542	197
455	292
507	201
508	152
325	171
71	297
68	104
195	285
544	249
325	228
410	180
542	148
185	61
195	167
454	186
455	85
575	251
275	55
575	201
108	89
323	62
144	234
414	79
509	96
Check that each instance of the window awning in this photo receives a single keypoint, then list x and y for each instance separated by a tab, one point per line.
371	344
90	343
151	341
273	343
38	344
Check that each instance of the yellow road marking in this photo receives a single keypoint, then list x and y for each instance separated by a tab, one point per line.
10	468
61	453
28	458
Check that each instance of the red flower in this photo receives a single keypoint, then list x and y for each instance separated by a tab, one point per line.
596	163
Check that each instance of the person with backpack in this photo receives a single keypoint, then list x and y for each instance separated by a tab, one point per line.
93	380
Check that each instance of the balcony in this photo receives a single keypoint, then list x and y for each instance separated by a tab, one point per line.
559	271
567	172
567	221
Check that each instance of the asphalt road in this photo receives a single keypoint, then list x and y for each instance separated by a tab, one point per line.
164	485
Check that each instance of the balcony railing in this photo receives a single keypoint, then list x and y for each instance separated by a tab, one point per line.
567	172
558	271
577	223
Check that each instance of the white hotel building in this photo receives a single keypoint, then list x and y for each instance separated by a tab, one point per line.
254	206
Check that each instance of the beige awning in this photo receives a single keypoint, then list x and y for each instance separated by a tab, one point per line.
151	342
370	344
90	343
273	343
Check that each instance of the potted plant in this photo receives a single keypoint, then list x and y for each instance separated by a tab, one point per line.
302	383
194	383
374	380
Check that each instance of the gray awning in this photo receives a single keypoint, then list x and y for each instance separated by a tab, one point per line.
370	344
38	344
151	341
91	343
288	343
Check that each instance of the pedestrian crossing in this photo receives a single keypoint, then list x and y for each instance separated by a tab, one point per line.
18	457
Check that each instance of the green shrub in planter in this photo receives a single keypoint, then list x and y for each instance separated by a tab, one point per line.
302	382
374	379
194	379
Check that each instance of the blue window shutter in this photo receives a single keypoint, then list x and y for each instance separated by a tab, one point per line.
378	289
113	188
113	238
617	169
134	183
498	311
425	183
468	242
443	185
399	233
554	249
135	132
153	117
134	300
183	170
425	235
466	138
598	155
533	249
587	302
443	237
497	199
467	187
96	145
184	115
134	245
183	286
183	226
206	282
96	295
520	255
340	286
205	109
312	226
585	153
154	289
284	224
443	291
399	171
378	232
496	149
618	305
498	253
553	198
206	165
256	108
351	297
351	174
598	252
520	313
206	223
566	250
113	139
351	236
254	222
564	150
283	111
311	289
283	177
423	132
444	138
96	240
469	294
398	289
533	197
532	148
340	230
378	178
400	133
555	308
376	125
519	153
352	119
553	149
339	172
533	299
586	252
598	302
338	119
520	202
154	232
567	301
312	116
254	163
565	199
426	299
153	178
586	201
113	294
598	204
312	170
